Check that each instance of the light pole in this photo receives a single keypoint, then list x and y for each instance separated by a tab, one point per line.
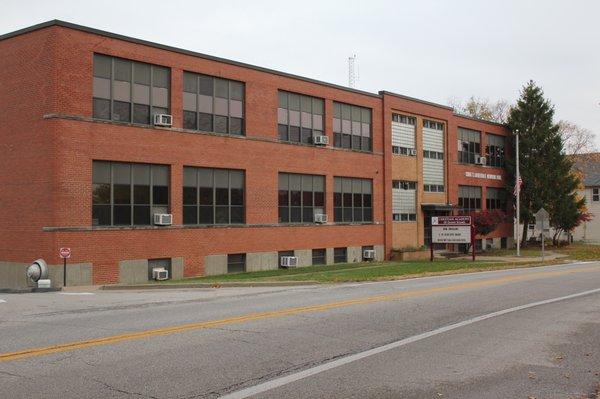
518	190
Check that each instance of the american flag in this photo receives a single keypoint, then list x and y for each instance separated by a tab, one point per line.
518	185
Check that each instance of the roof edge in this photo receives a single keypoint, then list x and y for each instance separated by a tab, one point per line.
402	96
70	25
480	120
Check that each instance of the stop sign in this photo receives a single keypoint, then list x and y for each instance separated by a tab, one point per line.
65	253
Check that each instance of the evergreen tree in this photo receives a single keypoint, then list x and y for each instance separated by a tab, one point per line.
544	167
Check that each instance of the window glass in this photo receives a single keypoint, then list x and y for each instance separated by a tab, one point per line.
300	197
353	200
352	127
296	110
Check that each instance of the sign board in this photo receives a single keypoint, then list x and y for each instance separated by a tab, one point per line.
451	234
450	221
65	253
542	220
487	176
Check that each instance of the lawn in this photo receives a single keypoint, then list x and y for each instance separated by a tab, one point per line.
356	272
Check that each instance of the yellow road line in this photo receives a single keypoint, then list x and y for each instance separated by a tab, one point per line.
70	346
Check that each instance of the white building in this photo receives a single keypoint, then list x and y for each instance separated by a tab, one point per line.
589	166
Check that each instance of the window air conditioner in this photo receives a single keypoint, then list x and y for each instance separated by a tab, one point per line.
412	152
369	254
163	120
320	218
321	140
163	219
289	261
160	273
482	161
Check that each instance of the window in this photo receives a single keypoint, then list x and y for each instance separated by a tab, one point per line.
213	104
299	117
129	91
495	150
433	154
404	201
128	194
469	145
300	197
469	198
433	188
366	248
340	255
158	264
351	127
352	200
236	263
595	194
496	198
433	125
213	196
403	135
319	256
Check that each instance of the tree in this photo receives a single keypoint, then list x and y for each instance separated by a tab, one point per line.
487	221
577	140
545	168
482	109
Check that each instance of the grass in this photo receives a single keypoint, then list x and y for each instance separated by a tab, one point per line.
377	271
356	272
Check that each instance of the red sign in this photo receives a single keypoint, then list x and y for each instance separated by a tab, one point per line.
451	220
65	253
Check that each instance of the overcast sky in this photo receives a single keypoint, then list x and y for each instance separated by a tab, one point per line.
433	50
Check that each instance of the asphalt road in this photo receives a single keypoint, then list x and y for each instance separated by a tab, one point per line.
525	333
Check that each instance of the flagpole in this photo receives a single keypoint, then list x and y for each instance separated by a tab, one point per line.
518	188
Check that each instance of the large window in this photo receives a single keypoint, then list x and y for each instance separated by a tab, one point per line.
469	198
404	201
352	127
340	255
127	194
236	263
352	200
403	134
496	198
495	150
213	196
300	197
469	145
299	117
319	256
213	104
129	91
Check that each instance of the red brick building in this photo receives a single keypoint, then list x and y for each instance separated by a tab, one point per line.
242	168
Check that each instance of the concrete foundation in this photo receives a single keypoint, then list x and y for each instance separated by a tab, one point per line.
304	257
329	256
354	254
215	265
258	261
133	271
177	268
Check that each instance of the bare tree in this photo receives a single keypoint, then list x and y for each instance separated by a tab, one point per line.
482	108
577	140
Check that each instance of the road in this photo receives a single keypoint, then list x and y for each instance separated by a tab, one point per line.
523	333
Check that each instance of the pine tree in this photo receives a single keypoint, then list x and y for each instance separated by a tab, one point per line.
544	167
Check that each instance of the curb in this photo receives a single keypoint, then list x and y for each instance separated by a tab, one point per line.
204	285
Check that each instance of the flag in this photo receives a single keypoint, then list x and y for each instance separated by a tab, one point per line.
518	185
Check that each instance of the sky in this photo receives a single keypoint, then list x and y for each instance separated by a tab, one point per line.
432	50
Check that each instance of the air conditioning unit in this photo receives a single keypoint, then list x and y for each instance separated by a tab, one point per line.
163	120
412	151
405	185
320	218
369	254
289	261
160	273
481	161
163	219
321	140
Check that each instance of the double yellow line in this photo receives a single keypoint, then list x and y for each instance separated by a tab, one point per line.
71	346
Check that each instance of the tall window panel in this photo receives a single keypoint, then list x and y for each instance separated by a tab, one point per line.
128	194
404	201
403	134
352	127
495	150
352	199
300	197
213	104
129	91
213	196
469	145
469	198
299	117
496	198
